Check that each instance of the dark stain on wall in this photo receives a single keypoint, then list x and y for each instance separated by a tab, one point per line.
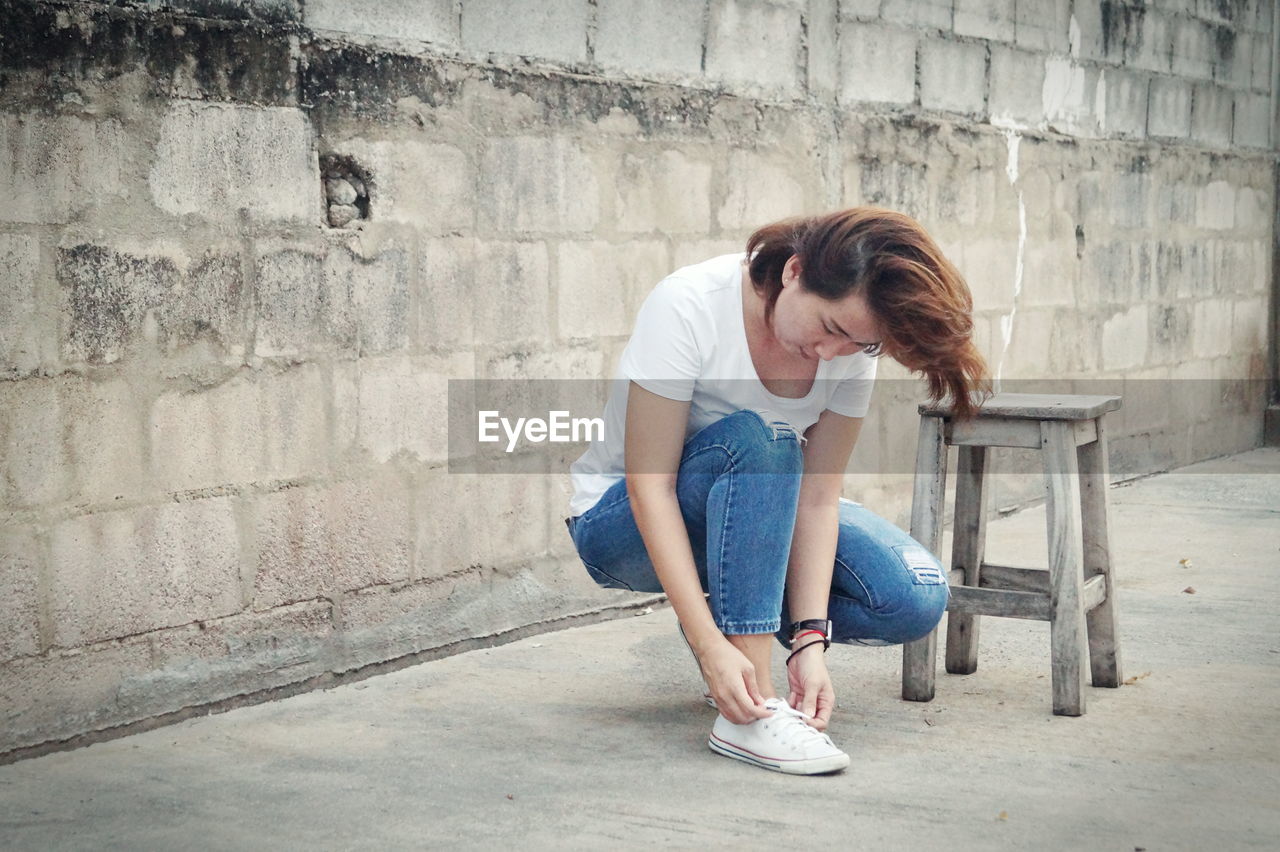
1121	27
55	48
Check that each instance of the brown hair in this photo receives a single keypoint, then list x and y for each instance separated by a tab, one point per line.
917	296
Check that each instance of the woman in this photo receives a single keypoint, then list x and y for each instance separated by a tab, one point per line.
740	397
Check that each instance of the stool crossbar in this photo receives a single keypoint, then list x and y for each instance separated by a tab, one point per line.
1076	595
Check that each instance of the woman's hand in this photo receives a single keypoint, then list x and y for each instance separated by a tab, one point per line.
810	685
731	677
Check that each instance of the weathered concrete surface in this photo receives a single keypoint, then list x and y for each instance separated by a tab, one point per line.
594	737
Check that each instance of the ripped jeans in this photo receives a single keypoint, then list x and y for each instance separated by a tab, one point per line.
738	485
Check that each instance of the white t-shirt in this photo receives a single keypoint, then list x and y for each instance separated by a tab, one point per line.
690	343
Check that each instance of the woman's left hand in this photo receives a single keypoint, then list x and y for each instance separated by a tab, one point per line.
810	685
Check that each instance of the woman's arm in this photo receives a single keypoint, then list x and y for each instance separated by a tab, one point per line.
654	441
828	445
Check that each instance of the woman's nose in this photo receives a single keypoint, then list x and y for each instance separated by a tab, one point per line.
827	349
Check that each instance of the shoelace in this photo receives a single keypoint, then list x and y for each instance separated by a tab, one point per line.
788	725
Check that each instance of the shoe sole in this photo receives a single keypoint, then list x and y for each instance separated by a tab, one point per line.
809	766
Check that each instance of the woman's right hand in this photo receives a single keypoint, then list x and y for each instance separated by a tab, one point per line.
731	677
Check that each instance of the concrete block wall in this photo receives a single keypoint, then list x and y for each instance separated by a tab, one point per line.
225	451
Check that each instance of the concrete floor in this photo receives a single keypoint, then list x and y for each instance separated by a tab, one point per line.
594	737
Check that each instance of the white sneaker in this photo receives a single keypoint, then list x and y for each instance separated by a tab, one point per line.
784	742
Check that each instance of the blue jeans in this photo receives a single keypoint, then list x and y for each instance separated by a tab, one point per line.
738	486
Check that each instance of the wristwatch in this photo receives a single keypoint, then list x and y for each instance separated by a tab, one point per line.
821	625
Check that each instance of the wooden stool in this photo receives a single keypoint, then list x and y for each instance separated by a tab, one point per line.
1076	593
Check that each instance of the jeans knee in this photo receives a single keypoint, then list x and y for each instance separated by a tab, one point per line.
763	446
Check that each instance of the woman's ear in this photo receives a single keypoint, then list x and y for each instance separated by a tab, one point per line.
791	271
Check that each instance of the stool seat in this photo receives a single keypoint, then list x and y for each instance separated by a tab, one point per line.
1035	406
1076	594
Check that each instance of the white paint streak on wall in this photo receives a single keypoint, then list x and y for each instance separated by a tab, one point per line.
1063	96
1006	322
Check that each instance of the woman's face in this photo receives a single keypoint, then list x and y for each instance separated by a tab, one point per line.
812	327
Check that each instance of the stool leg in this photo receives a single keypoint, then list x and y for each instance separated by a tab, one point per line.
1066	572
969	533
918	657
1104	644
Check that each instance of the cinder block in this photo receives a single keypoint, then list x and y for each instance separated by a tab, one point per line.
663	192
434	21
1042	25
923	14
1050	273
199	663
687	252
23	327
114	300
1169	108
1260	76
215	160
21	558
309	302
1253	211
1237	272
1131	194
53	697
759	191
427	185
1148	43
1107	276
755	46
548	29
1075	343
489	521
1070	96
877	64
864	9
1028	356
1211	328
299	311
1249	325
35	456
823	50
1251	127
1193	48
990	265
953	76
601	285
312	542
446	294
1124	339
989	19
1233	58
538	184
1176	202
385	622
255	427
1216	206
378	285
1211	108
126	572
397	407
56	169
515	278
105	429
1125	104
898	185
650	37
1170	334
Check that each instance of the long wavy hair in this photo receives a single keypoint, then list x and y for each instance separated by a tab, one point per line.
917	296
